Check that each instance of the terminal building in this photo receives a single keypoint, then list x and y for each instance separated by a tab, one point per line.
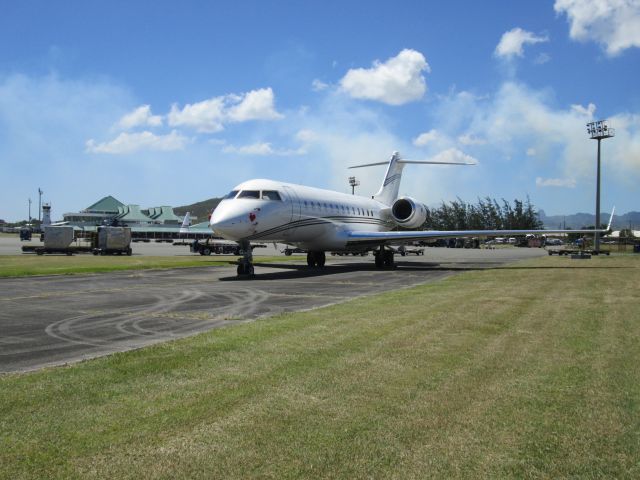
152	223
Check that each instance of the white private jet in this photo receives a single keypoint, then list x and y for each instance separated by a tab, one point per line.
319	220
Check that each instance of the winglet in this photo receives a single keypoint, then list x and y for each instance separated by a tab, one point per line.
611	219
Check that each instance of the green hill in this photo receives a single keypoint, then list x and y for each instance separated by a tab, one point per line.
201	210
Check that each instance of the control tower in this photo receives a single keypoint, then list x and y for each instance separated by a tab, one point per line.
46	214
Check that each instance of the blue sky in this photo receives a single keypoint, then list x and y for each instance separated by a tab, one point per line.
171	103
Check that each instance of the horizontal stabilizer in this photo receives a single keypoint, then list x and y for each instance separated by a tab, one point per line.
425	162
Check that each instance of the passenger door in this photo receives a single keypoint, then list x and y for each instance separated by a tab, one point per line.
293	199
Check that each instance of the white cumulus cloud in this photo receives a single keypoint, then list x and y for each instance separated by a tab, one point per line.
426	138
261	149
615	24
555	182
517	118
206	116
511	42
306	136
254	105
318	85
210	116
469	139
453	155
140	117
397	81
134	142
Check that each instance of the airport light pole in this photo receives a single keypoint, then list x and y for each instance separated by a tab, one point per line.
354	183
29	209
40	192
598	131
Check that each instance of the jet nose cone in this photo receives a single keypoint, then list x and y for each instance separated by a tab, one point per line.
229	224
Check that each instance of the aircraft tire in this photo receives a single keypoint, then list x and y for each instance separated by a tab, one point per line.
311	259
245	270
321	258
388	259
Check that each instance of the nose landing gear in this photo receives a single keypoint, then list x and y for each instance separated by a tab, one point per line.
245	264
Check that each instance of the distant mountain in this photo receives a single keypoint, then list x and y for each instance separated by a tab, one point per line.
201	210
579	220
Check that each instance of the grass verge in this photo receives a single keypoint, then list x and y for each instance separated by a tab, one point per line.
25	265
524	371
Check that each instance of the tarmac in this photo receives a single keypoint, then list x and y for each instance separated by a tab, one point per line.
56	320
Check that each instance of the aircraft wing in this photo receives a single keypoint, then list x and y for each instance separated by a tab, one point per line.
391	238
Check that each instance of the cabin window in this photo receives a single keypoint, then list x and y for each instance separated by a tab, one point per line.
231	194
249	194
271	195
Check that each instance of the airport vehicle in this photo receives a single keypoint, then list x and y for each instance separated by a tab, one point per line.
70	250
288	251
58	239
575	251
219	247
207	248
554	242
405	250
25	234
113	241
362	253
318	220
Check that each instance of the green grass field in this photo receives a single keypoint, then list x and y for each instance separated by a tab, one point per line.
25	265
527	371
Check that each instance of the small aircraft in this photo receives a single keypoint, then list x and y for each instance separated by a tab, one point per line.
318	220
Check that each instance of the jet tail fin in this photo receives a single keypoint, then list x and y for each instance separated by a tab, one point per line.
388	192
611	219
186	223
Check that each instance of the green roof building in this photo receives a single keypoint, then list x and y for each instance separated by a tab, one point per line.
107	204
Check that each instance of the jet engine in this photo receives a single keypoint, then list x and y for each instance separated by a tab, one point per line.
408	213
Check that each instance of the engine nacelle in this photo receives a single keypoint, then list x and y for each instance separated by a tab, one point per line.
408	213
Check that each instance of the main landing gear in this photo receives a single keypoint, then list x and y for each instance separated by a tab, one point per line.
316	259
384	258
245	264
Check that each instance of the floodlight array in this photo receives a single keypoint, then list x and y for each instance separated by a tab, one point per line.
600	129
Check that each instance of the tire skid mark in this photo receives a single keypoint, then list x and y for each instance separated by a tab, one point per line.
131	323
72	329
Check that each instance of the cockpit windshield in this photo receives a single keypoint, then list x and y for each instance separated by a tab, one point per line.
257	194
249	194
231	194
271	195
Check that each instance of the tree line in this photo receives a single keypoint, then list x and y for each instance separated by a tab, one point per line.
486	214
